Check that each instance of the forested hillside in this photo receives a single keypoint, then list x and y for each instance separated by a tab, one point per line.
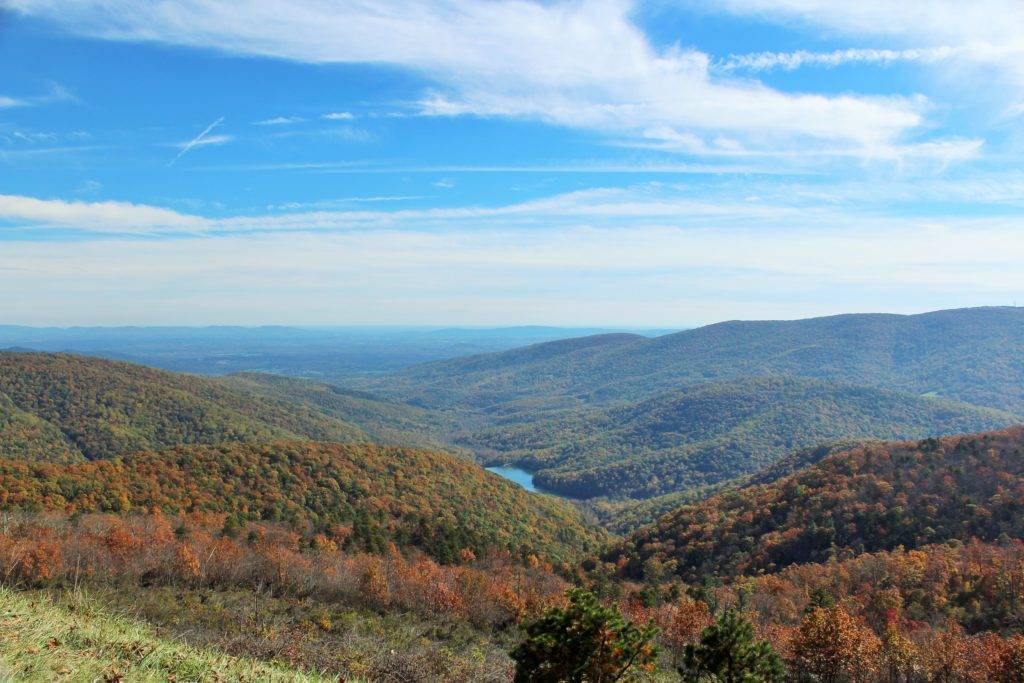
63	408
361	496
971	355
713	432
878	496
106	408
382	421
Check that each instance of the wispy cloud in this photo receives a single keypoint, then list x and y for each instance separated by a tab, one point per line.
99	216
583	64
346	133
89	187
788	61
57	93
982	32
200	140
726	203
8	154
338	116
279	121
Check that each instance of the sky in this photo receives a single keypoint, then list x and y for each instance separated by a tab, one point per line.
588	162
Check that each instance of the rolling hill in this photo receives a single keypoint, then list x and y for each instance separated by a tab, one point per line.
64	408
365	495
970	355
875	497
713	432
381	421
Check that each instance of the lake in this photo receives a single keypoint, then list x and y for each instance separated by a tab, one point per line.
519	476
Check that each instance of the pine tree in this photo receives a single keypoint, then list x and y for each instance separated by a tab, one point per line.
728	653
584	642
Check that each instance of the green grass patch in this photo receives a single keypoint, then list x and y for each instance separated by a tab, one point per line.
41	640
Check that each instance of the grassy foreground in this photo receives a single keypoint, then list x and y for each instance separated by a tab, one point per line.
43	641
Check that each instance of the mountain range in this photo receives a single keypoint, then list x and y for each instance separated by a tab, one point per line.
625	416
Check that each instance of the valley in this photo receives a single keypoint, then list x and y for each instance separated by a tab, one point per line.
444	507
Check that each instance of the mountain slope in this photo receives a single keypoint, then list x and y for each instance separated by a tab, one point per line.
381	421
874	497
713	432
366	495
63	408
972	355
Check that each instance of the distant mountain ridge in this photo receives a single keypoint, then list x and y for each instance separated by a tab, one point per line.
323	352
972	355
623	415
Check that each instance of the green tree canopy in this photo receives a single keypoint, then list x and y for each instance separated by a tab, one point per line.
728	653
584	642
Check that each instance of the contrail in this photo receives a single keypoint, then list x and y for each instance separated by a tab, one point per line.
196	140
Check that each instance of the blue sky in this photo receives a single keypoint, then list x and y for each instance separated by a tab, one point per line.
594	162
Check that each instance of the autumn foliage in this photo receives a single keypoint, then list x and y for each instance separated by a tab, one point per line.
192	550
365	496
870	498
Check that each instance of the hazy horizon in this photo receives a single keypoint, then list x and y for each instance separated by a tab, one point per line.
438	327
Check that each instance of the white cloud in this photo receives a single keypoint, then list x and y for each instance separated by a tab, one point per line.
279	121
726	204
98	216
338	116
580	63
984	32
346	133
205	140
788	61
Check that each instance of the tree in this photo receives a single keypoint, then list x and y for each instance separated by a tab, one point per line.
833	647
585	642
1008	664
687	619
898	656
728	653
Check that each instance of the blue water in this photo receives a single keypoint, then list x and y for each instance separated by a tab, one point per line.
521	477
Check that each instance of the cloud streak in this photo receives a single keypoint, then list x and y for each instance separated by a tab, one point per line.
98	216
788	61
724	203
982	32
200	140
279	121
